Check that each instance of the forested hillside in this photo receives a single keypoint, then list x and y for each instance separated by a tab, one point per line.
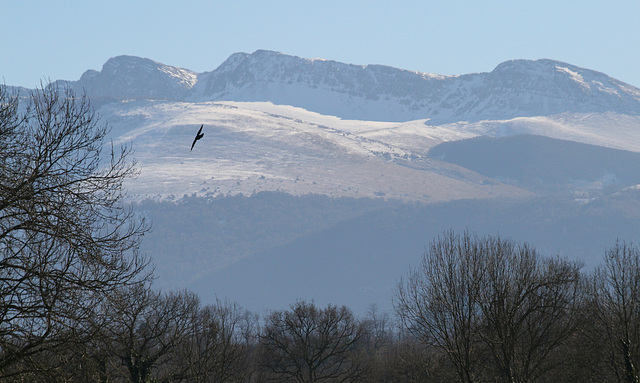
267	250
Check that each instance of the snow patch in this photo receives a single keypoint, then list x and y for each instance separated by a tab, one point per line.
575	76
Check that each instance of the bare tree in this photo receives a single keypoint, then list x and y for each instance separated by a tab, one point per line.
529	305
219	346
407	360
66	240
145	329
497	309
378	329
309	344
614	303
439	302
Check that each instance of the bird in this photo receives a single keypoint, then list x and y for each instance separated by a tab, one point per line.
198	136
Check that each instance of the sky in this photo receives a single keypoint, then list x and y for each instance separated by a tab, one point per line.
51	40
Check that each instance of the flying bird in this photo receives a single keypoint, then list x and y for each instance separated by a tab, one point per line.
198	136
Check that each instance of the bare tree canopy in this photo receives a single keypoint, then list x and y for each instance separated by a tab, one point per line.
614	308
146	326
440	301
311	344
66	239
494	307
219	346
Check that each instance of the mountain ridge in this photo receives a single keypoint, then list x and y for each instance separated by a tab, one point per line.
515	88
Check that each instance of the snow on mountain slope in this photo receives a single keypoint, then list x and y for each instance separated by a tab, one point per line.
608	129
517	88
280	122
252	147
246	151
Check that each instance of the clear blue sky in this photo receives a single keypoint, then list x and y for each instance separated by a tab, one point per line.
61	39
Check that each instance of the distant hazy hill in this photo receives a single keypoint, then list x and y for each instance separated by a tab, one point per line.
356	254
371	92
543	164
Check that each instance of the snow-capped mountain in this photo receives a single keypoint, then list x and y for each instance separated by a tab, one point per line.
269	125
245	151
518	88
373	92
285	138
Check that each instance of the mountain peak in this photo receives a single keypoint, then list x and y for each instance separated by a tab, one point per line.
523	64
266	61
546	68
559	87
124	62
125	77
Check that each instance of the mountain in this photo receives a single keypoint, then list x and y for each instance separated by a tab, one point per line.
276	133
323	180
373	92
277	203
517	88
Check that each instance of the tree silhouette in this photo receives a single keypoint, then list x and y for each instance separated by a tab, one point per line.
310	344
66	240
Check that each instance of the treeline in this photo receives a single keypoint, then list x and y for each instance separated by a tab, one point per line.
477	309
76	302
497	310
